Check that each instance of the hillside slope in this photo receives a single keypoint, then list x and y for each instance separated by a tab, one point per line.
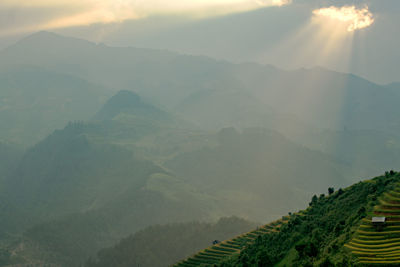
88	185
70	196
162	245
327	233
380	245
259	170
228	248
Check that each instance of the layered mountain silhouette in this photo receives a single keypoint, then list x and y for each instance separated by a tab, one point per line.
216	94
35	101
99	142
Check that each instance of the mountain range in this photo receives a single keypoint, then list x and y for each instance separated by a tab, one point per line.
100	142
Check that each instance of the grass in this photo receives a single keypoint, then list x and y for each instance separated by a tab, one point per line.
375	246
383	245
216	253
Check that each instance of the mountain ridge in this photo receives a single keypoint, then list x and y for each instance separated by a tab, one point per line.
169	80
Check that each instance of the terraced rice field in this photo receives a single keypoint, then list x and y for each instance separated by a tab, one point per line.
216	253
380	246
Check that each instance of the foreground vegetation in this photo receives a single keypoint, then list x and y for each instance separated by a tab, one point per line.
162	245
225	249
322	234
380	244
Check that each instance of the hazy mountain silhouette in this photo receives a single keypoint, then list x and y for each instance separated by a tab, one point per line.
35	101
77	195
154	153
129	103
319	97
259	166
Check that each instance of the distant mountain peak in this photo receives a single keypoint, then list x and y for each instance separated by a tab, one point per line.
124	99
126	102
42	39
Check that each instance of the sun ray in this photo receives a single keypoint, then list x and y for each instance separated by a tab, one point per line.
116	11
325	40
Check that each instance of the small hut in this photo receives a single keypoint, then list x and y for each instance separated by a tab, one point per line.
378	222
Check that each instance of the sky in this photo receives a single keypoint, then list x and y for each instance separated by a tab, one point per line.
21	15
358	36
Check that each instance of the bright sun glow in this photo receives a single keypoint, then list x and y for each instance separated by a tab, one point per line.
281	2
354	18
325	40
85	12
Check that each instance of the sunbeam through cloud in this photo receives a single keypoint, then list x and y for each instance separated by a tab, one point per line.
353	17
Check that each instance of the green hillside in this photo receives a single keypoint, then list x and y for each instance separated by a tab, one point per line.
335	230
69	196
133	165
85	187
373	245
231	247
162	245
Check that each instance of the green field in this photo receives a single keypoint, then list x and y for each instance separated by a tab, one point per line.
375	246
216	253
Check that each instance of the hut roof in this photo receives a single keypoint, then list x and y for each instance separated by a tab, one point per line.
378	219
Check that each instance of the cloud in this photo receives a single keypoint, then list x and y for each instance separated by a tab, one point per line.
281	2
354	18
22	15
273	2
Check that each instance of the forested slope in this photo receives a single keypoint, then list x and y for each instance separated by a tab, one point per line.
162	245
323	234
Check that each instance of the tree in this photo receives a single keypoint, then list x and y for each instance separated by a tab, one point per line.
340	191
331	190
314	200
300	248
264	259
327	263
